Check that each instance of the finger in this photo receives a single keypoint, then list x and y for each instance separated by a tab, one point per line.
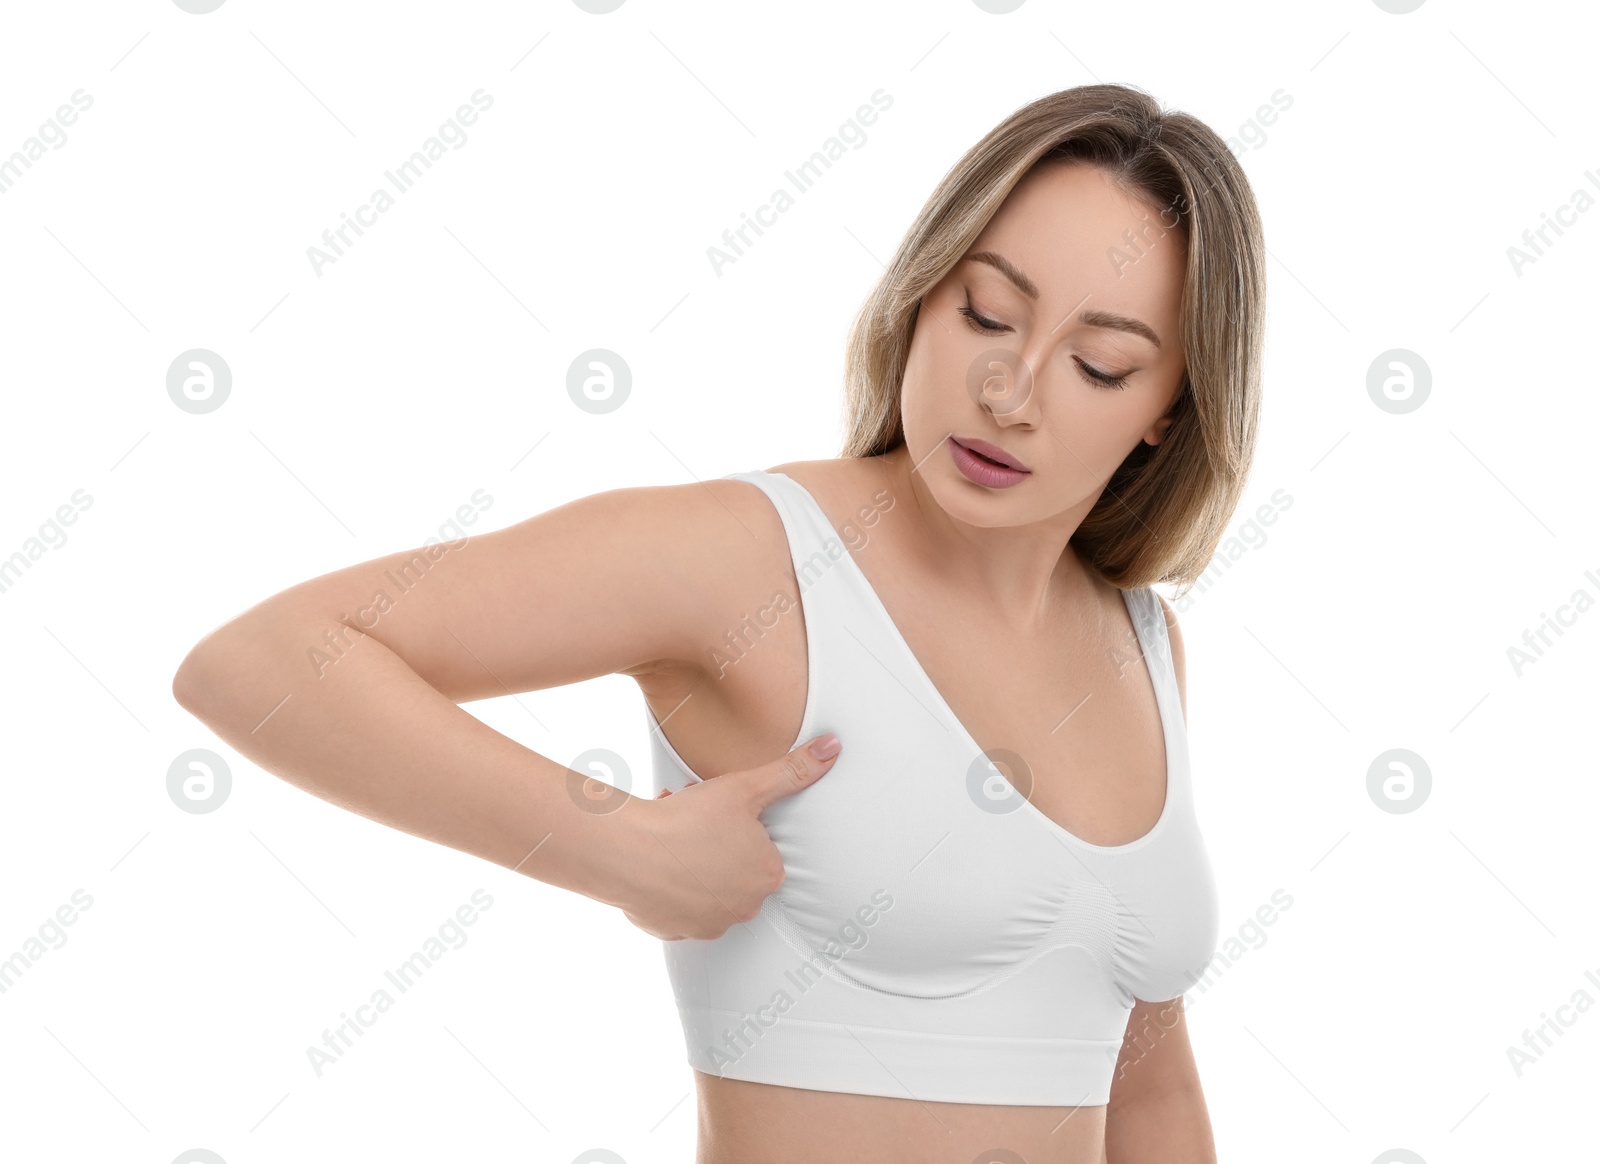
796	770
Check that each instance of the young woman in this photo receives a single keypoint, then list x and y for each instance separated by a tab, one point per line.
968	931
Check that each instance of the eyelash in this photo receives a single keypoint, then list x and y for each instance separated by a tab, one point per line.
988	326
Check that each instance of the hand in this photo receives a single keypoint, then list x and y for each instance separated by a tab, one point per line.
706	861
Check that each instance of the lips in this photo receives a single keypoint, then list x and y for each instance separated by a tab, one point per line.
991	452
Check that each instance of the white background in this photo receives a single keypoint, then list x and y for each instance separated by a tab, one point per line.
369	402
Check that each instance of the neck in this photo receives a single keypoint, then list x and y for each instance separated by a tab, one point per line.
1021	574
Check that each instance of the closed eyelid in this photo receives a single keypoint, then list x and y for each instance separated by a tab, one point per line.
984	309
998	290
1098	359
1013	277
1111	361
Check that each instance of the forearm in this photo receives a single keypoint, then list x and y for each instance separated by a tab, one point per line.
371	736
1171	1127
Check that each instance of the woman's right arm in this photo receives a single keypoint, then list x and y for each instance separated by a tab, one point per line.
625	581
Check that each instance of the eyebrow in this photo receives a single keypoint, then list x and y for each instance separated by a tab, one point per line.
1091	318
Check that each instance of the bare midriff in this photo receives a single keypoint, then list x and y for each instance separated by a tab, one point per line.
756	1123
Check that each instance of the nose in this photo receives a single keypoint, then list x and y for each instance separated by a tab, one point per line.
1014	397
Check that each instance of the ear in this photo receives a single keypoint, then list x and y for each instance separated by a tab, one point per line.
1157	432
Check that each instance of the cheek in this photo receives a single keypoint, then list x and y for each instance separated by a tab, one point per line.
1093	439
940	378
923	387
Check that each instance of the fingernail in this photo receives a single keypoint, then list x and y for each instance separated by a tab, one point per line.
825	747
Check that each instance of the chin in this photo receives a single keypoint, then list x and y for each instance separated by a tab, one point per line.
971	503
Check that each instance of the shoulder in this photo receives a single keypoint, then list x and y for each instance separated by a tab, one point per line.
737	517
698	519
845	481
852	491
712	548
1175	638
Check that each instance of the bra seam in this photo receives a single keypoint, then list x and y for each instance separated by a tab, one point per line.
930	1035
790	931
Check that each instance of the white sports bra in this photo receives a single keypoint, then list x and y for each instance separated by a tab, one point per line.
937	936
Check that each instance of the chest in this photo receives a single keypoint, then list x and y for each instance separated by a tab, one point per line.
987	850
1068	710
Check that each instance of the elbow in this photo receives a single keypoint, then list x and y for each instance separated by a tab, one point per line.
229	665
226	667
205	672
190	682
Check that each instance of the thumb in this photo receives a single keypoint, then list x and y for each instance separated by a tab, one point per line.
798	769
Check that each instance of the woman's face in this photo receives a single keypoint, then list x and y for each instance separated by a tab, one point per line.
1065	281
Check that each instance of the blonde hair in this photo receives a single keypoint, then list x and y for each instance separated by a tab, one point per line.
1165	508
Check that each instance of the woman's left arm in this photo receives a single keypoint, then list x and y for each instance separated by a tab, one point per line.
1156	1113
1157	1110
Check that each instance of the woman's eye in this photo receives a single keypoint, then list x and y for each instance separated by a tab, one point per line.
1101	378
980	324
986	326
